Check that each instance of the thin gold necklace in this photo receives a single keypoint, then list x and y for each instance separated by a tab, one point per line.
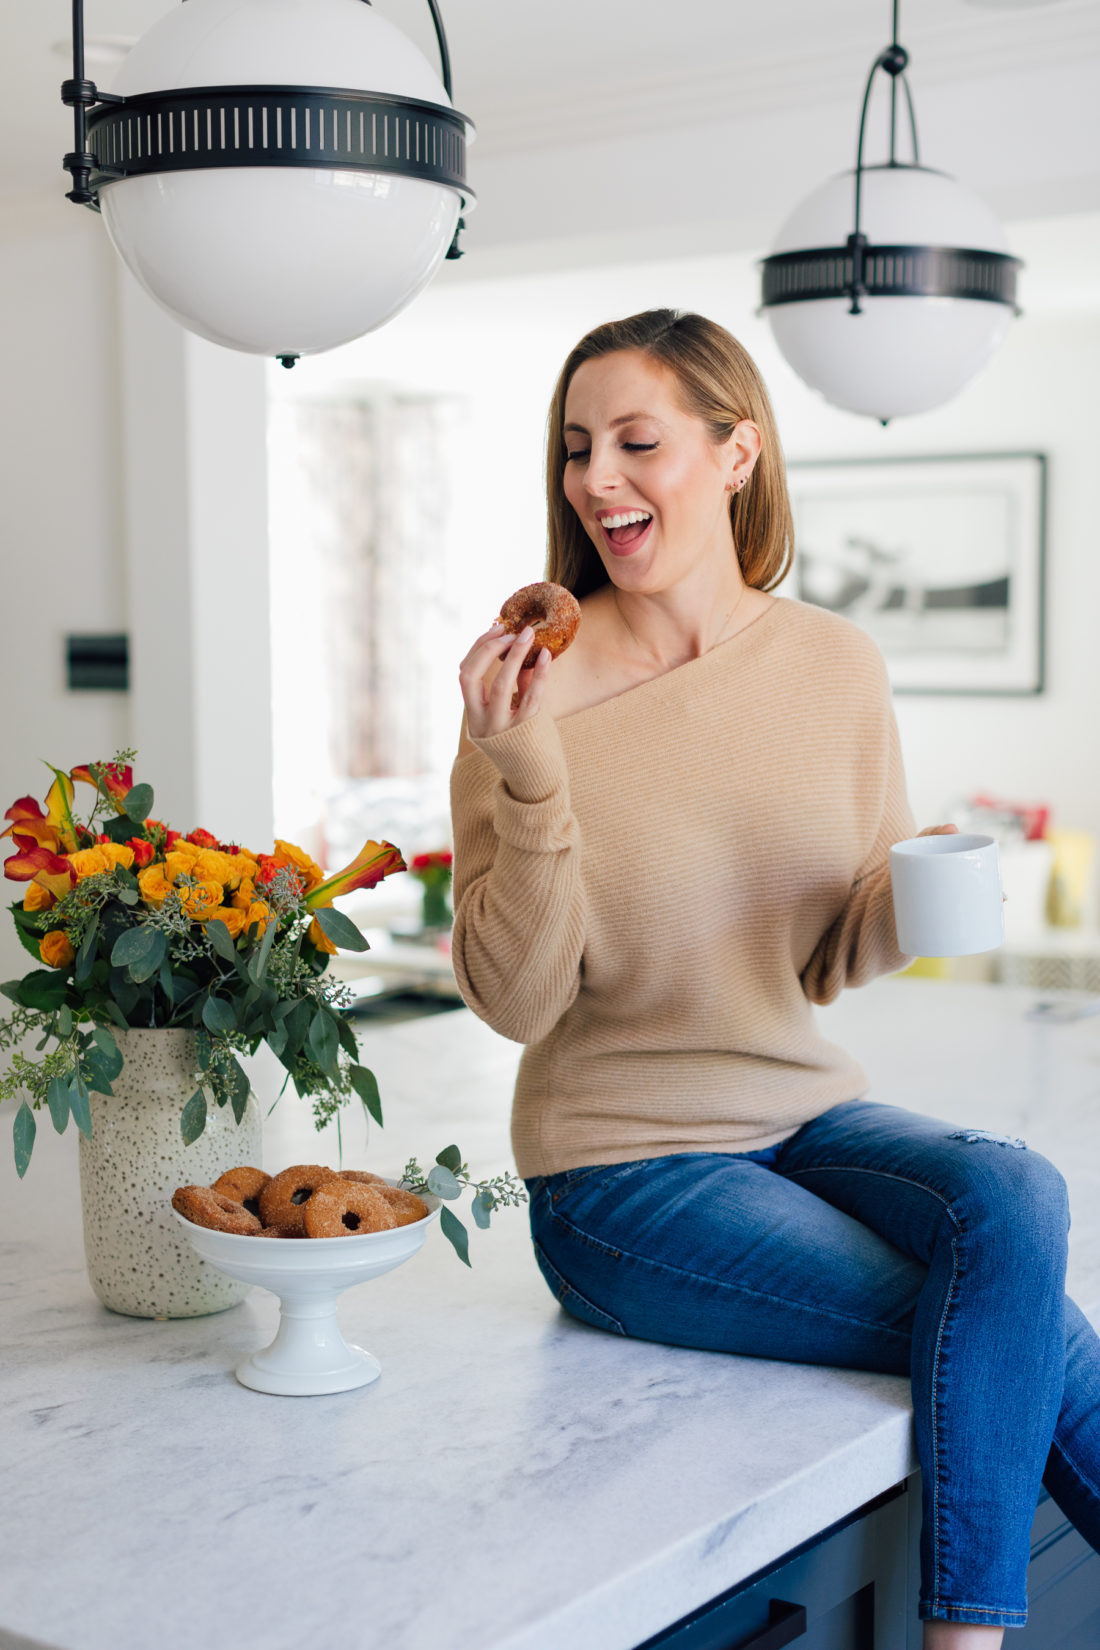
717	639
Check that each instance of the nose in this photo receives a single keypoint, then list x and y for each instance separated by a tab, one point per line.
601	473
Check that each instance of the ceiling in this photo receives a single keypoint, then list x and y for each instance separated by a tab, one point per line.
539	76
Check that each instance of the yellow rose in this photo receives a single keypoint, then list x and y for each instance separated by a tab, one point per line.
308	869
118	853
233	919
180	864
244	868
259	912
201	901
155	885
38	898
56	950
89	862
243	895
213	866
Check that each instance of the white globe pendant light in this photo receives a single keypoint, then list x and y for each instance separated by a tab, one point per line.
281	176
890	287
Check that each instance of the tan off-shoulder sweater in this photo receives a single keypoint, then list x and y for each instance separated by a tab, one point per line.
651	892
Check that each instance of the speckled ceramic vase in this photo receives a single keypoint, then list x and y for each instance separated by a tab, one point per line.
139	1260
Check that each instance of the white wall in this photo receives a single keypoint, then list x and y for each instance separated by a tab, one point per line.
132	498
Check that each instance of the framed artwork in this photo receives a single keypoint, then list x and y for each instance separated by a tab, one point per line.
941	560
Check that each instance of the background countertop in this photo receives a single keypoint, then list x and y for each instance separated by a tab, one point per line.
515	1480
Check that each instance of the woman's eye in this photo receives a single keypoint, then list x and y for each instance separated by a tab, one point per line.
628	446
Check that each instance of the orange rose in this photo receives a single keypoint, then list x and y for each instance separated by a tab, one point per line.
259	912
234	920
89	862
55	949
308	870
201	900
38	898
155	886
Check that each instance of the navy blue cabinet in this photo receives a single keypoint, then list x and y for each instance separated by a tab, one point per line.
856	1588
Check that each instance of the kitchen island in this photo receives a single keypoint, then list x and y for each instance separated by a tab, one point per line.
515	1480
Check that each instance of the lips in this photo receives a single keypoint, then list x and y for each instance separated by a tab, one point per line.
624	541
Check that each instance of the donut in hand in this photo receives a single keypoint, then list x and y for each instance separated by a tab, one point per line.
553	613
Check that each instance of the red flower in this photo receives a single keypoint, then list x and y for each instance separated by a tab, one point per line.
143	852
441	860
202	839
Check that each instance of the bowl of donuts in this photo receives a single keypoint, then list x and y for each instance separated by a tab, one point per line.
307	1234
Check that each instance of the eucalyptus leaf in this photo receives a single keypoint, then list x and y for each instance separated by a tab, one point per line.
455	1233
129	896
167	980
240	1091
340	929
323	1040
450	1157
57	1098
218	1016
112	1054
193	1118
133	945
348	1040
482	1208
23	1133
80	1105
138	803
112	1009
127	879
257	967
147	966
221	939
64	1021
99	1079
443	1183
365	1084
276	1041
85	957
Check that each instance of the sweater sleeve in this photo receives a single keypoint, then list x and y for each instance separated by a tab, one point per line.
519	901
861	942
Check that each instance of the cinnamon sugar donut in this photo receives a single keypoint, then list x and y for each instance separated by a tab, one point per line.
243	1185
552	611
362	1177
206	1207
341	1208
406	1206
283	1199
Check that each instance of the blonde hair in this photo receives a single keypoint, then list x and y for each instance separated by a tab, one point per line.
721	385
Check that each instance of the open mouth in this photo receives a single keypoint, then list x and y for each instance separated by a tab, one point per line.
628	531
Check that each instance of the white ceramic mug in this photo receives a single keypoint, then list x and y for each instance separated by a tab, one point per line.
947	895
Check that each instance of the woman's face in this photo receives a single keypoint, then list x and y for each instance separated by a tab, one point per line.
632	450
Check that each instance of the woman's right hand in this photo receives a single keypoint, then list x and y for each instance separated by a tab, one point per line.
497	693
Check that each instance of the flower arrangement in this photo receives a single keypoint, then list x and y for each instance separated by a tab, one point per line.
434	871
139	925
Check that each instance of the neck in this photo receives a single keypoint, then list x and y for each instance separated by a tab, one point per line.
667	628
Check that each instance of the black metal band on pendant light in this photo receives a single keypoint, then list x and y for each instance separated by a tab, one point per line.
194	128
857	269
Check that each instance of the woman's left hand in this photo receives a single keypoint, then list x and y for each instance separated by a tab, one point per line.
938	830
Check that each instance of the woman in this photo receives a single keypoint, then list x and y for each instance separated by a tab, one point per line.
670	843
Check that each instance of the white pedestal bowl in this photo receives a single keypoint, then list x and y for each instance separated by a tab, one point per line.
309	1355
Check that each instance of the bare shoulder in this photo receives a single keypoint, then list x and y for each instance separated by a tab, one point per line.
585	673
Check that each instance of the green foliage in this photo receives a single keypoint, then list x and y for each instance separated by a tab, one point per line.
449	1178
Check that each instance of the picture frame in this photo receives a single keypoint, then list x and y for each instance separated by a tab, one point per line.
942	559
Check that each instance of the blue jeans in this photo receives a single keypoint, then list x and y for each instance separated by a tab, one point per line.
877	1239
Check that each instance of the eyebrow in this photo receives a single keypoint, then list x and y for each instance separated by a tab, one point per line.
627	418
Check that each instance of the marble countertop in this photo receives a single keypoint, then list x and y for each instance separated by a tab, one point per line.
515	1480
